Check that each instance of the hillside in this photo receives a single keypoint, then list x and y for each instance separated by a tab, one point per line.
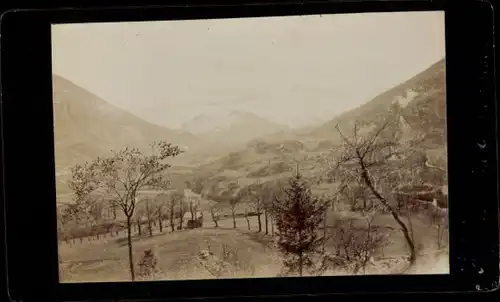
233	129
421	97
87	126
418	104
422	102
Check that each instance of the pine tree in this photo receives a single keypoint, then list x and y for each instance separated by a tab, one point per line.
298	215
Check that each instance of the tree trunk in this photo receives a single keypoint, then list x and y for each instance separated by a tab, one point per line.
259	220
266	221
150	227
172	222
404	229
129	243
160	224
248	222
410	227
214	218
114	213
272	226
139	228
181	221
439	236
234	219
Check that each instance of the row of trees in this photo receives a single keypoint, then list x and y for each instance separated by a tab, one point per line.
255	200
169	207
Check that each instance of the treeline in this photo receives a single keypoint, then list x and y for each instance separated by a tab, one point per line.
165	210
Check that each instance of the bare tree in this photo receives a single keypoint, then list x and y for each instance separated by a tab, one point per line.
233	196
63	223
113	207
370	160
266	218
121	176
215	213
438	220
355	243
176	198
233	203
161	201
246	217
138	218
259	197
69	220
272	225
78	217
267	200
149	211
258	205
193	208
96	211
182	211
270	210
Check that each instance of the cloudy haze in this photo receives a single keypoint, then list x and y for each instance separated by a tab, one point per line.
290	70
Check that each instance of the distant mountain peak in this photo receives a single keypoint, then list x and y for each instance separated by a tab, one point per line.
242	113
238	112
231	127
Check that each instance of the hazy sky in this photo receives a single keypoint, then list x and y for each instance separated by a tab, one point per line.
290	70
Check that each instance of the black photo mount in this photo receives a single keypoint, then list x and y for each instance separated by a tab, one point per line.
28	147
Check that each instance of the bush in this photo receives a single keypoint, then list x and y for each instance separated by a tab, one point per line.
354	242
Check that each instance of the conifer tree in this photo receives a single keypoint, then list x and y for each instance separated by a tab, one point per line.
298	215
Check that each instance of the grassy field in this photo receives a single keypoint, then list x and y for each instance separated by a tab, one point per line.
106	259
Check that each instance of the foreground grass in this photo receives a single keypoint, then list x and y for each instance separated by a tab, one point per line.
106	260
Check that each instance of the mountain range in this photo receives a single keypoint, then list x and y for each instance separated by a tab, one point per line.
233	129
86	126
419	104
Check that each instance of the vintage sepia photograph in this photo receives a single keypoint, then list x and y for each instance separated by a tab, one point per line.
251	147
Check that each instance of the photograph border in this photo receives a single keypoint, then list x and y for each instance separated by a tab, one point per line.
28	144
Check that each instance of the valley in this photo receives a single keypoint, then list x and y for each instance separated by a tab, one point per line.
231	170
